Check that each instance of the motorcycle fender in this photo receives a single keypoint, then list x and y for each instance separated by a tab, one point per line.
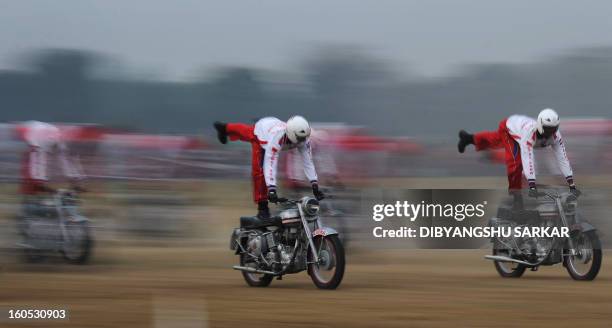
234	239
582	227
325	231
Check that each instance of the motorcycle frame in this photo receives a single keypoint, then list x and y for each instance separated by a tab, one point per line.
61	209
584	226
318	228
308	233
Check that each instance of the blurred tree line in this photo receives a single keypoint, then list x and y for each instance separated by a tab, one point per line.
335	85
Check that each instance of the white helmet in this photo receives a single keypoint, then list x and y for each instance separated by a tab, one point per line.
548	122
40	134
298	129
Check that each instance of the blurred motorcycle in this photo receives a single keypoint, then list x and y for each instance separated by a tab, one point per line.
293	241
55	225
580	253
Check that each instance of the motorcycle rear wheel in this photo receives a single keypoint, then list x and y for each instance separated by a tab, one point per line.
77	250
329	272
507	269
254	279
591	253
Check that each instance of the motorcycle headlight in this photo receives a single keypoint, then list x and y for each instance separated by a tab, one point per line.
311	207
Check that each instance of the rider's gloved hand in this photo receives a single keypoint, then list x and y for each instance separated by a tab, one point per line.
533	190
272	195
316	192
574	190
572	186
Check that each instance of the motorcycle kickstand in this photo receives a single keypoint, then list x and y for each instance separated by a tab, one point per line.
535	268
280	277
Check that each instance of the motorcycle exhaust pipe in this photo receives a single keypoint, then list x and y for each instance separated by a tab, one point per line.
24	245
252	270
500	258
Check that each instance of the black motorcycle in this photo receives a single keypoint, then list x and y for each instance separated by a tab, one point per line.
290	242
555	211
54	224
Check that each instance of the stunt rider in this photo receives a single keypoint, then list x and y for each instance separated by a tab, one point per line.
268	137
519	135
45	144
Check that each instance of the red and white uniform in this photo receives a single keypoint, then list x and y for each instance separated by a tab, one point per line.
523	130
517	135
44	144
268	139
271	133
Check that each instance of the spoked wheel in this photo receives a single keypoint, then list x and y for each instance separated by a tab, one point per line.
586	262
77	243
507	269
254	279
328	273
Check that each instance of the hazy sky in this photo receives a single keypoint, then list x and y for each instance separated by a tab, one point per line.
177	38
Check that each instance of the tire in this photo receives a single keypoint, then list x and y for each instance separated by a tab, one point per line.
507	269
595	257
254	279
85	244
337	250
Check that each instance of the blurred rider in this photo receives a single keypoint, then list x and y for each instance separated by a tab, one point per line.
518	135
45	145
268	137
323	148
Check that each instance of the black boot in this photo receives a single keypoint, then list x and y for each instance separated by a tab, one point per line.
517	201
221	131
464	140
263	211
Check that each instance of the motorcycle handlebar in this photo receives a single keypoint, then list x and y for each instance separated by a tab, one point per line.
552	195
287	201
69	192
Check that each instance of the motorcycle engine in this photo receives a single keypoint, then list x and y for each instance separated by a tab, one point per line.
282	255
537	247
42	233
254	244
44	229
259	243
285	252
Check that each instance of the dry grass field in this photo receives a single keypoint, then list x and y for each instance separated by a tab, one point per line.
188	282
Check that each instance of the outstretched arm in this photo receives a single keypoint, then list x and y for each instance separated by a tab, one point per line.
36	169
71	167
528	160
558	147
270	163
309	167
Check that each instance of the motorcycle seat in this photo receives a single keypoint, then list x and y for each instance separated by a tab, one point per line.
518	215
251	222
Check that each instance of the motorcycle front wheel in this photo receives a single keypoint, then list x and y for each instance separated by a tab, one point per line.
254	279
585	264
328	273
